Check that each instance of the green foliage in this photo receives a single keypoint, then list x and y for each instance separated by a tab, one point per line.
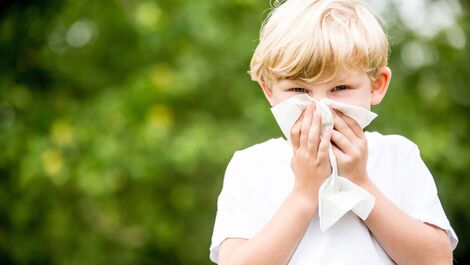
117	119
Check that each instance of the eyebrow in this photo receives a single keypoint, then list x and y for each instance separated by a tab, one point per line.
334	82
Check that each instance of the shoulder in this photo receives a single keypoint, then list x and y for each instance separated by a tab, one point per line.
391	141
252	163
266	150
256	161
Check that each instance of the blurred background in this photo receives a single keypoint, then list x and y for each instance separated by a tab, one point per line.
118	118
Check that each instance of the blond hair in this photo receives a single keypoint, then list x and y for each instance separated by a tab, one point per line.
311	40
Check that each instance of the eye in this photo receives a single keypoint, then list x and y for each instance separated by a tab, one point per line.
340	88
300	90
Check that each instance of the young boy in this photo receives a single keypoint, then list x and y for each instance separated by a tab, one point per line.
268	210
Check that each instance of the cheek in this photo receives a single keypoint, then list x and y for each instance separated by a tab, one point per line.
356	98
278	98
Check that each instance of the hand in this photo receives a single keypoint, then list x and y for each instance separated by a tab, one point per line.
310	162
350	148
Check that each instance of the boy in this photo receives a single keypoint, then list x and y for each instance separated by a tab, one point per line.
268	210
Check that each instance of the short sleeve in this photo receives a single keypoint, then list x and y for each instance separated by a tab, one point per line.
235	216
420	199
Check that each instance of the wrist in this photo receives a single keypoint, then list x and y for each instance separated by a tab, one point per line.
305	197
366	184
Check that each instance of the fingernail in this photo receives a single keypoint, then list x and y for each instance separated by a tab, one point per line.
329	131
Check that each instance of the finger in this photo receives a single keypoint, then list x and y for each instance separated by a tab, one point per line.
341	126
340	155
306	124
314	134
295	132
354	125
324	146
341	141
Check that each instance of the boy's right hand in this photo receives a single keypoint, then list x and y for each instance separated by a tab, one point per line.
310	162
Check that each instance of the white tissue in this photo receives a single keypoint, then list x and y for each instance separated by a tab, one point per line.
337	195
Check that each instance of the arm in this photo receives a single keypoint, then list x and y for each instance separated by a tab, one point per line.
277	241
406	240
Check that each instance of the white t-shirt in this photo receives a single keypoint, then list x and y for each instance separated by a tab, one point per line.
259	178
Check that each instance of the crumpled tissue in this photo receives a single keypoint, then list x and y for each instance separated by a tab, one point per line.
337	195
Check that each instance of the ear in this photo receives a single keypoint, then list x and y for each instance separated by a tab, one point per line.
267	92
380	86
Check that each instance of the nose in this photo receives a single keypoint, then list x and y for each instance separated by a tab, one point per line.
318	95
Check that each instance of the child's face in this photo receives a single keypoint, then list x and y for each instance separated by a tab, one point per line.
350	87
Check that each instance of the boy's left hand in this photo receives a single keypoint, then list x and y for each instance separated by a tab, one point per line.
350	148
